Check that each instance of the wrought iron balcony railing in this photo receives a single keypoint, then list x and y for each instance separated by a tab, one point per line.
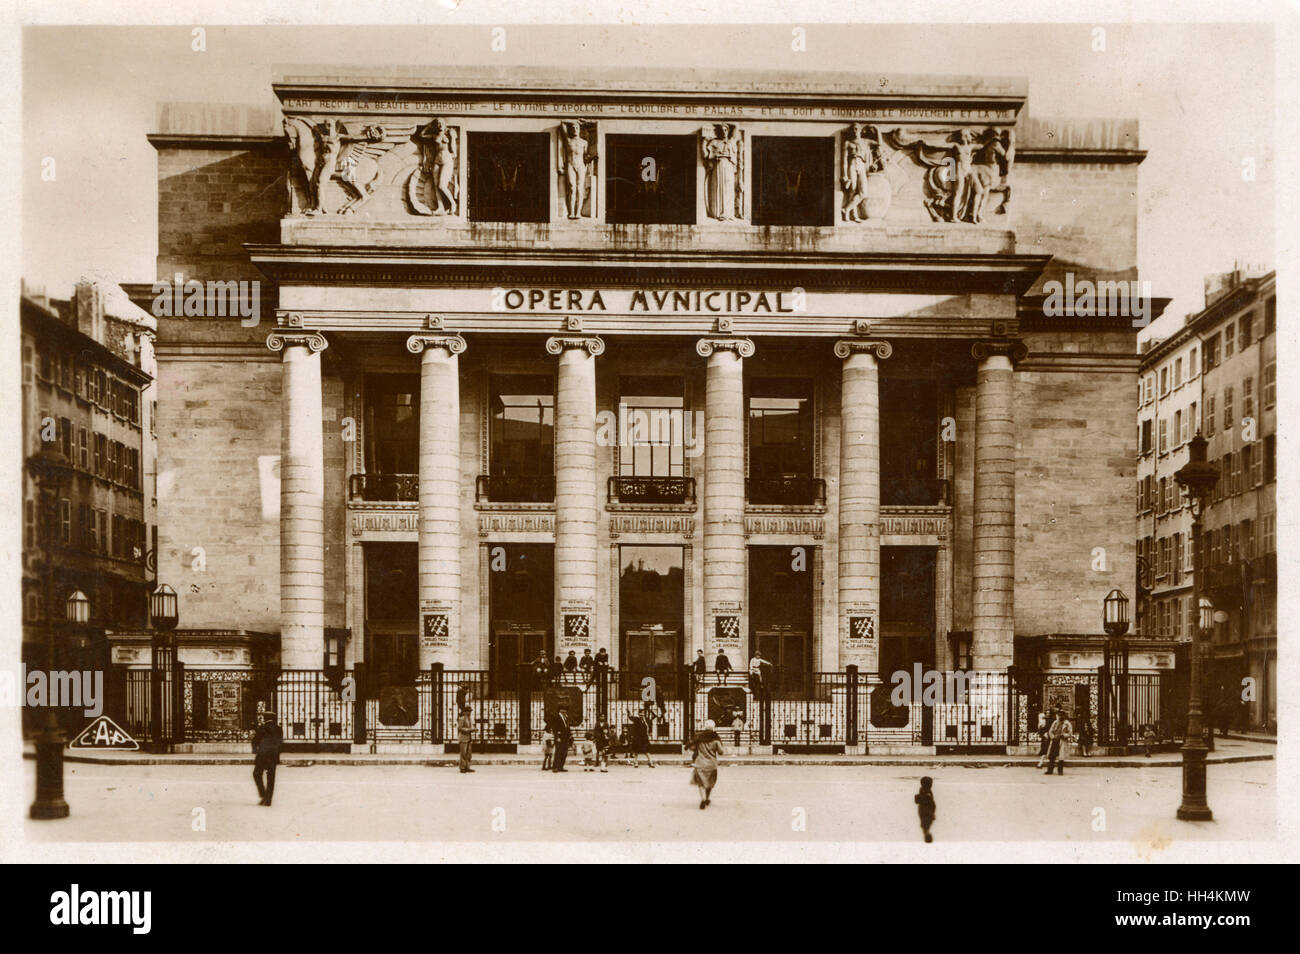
786	491
652	490
527	488
384	487
916	492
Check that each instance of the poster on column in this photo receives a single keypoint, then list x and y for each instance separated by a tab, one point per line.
577	622
861	623
726	630
435	624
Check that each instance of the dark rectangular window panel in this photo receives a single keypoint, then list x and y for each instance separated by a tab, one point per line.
794	180
781	441
522	430
392	424
509	177
909	432
650	179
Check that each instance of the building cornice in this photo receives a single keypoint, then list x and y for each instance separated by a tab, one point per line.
1006	273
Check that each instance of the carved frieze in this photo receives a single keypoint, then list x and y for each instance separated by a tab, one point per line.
814	527
390	521
489	523
651	523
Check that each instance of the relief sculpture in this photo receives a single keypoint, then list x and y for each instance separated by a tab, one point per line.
964	173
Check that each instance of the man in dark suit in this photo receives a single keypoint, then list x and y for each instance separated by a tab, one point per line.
267	740
465	724
563	739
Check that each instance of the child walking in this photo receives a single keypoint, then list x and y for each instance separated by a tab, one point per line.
925	806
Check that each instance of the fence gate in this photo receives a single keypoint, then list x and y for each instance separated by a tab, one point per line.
809	712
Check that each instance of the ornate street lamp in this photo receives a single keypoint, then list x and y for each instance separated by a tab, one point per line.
163	608
1197	477
77	608
1114	615
52	472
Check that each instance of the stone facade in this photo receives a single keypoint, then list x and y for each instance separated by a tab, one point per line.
359	215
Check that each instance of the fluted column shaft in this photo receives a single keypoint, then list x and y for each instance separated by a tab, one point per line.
576	504
724	495
859	502
302	501
439	533
995	504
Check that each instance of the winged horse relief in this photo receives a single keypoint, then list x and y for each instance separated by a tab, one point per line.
332	152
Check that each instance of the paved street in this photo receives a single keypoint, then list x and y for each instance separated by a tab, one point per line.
752	803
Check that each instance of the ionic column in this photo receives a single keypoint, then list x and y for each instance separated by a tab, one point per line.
724	496
439	537
576	505
995	503
302	501
859	502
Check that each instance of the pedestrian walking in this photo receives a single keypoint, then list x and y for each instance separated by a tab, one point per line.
267	740
925	806
601	735
1043	726
706	749
639	740
563	739
466	726
1059	736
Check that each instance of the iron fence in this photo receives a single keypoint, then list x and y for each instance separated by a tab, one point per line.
790	710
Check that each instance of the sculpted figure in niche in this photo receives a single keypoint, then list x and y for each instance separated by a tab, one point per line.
438	164
304	165
862	195
577	156
722	161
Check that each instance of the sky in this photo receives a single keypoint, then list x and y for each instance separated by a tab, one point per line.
1203	94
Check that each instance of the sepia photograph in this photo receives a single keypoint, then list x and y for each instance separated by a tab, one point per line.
851	438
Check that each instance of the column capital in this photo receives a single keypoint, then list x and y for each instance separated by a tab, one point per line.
851	346
743	347
593	344
1012	348
452	344
313	340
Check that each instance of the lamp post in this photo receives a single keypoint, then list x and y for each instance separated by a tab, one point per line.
1197	477
1114	619
51	472
163	615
